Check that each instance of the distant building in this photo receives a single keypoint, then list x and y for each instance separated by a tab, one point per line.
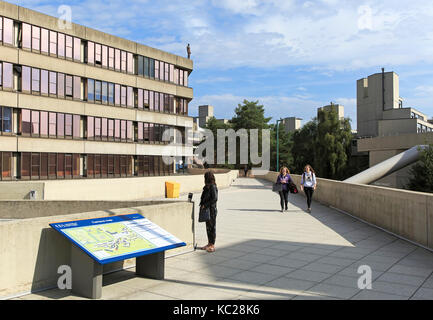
385	127
291	124
205	112
335	107
380	110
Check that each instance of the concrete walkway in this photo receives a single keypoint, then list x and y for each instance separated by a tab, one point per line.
262	253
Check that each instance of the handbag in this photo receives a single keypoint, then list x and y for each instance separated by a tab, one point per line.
293	188
277	187
204	215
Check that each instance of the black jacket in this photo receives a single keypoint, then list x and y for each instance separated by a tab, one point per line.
209	197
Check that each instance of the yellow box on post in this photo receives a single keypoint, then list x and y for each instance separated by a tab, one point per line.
172	189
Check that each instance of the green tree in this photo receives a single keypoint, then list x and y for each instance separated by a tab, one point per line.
422	172
304	146
285	148
213	124
333	145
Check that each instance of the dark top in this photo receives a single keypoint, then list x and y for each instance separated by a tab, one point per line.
209	197
287	178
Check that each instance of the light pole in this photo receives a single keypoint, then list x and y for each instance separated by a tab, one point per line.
278	144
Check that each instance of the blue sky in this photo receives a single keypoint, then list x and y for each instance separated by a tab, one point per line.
293	56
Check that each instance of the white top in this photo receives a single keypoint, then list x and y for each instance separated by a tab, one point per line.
310	179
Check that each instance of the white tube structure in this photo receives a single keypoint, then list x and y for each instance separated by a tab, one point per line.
387	167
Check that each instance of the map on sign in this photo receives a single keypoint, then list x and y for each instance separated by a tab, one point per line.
119	237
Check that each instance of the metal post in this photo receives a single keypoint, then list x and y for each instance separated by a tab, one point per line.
278	145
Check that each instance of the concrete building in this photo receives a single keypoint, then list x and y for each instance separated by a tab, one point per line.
80	103
335	107
205	112
291	124
380	110
385	127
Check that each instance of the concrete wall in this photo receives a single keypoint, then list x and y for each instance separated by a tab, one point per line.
109	189
31	251
406	213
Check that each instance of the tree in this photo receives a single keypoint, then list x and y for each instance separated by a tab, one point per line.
285	148
213	124
304	146
333	145
422	172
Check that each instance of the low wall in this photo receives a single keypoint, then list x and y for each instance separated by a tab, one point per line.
109	189
31	251
405	213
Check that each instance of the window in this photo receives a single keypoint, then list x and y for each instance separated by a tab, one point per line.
90	165
146	67
68	125
77	49
27	36
8	79
69	44
52	165
104	92
117	59
44	82
90	90
117	95
123	96
90	128
45	41
140	132
61	85
90	52
104	128
105	56
129	131
166	72
76	165
68	86
140	65
185	78
25	122
111	58
152	68
61	45
1	29
156	69
111	93
53	83
26	79
6	164
161	102
36	38
110	165
7	120
176	76
171	73
146	132
44	124
130	97
35	165
123	61
76	126
140	98
146	99
98	89
77	88
60	125
111	129
98	54
97	165
52	125
53	43
98	128
156	105
130	63
25	164
151	100
60	165
35	80
35	123
68	165
117	130
8	31
104	165
181	77
161	70
123	130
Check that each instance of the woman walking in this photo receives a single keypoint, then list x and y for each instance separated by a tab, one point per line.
209	198
284	179
308	184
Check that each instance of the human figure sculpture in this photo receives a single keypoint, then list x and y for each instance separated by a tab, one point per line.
188	50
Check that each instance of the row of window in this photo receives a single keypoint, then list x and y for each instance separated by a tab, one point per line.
42	166
5	120
64	86
60	45
60	125
422	128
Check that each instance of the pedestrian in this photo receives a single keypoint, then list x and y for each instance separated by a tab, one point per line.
308	184
284	179
246	170
209	198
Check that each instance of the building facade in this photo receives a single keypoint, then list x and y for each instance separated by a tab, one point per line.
79	103
291	124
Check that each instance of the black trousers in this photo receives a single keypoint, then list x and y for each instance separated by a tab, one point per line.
309	193
284	198
211	226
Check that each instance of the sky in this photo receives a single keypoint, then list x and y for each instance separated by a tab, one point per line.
292	56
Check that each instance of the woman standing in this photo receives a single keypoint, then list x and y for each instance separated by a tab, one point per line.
209	198
284	179
308	184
